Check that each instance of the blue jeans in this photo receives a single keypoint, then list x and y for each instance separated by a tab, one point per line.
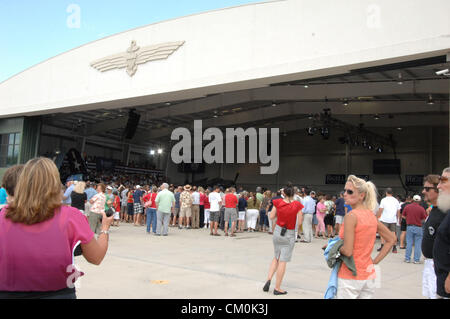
151	219
263	219
414	236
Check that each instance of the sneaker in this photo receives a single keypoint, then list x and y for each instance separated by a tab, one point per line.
394	250
417	262
381	247
407	261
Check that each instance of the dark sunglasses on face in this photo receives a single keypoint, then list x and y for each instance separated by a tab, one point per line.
443	179
348	191
427	188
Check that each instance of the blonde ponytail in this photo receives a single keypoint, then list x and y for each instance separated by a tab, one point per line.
369	188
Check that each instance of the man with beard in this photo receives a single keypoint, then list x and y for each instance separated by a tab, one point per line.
441	249
431	193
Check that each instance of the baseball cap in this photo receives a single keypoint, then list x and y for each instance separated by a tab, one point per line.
109	187
138	186
417	198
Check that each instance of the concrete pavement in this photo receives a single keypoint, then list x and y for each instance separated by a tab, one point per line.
191	264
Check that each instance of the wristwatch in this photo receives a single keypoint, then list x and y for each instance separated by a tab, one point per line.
104	232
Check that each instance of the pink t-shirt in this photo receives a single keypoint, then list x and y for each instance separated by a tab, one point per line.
39	257
319	207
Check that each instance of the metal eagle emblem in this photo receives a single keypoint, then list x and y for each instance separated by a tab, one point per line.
136	55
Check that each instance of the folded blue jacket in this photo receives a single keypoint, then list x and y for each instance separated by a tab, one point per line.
334	260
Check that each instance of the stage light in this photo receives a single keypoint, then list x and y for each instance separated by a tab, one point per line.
325	133
311	131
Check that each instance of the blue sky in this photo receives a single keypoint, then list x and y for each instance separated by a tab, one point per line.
32	31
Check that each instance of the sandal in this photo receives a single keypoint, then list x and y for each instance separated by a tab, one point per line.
232	235
216	235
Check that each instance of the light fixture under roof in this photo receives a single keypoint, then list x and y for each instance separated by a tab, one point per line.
160	151
345	103
376	117
430	100
306	86
152	152
400	79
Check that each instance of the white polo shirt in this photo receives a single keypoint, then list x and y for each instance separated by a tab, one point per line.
214	200
390	207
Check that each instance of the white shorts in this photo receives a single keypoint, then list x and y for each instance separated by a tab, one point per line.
116	215
339	219
429	279
355	289
242	215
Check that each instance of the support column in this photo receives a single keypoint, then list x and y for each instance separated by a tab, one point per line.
126	154
348	160
30	138
430	150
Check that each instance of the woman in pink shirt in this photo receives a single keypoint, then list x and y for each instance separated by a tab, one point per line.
320	214
38	237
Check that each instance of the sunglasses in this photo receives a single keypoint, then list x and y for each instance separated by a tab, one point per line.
427	189
348	191
443	179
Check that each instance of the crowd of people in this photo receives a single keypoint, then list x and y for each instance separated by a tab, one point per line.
291	214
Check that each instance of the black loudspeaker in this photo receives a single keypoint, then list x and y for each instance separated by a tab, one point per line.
133	122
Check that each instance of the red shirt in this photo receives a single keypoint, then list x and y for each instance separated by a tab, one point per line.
130	198
287	212
206	203
231	201
117	204
151	196
414	214
202	199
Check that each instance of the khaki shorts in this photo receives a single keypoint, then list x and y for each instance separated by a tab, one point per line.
185	212
391	226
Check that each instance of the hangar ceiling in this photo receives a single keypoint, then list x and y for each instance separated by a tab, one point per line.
397	95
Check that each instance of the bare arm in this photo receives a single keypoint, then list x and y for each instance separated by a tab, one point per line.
380	211
349	234
273	213
390	240
300	217
447	284
96	249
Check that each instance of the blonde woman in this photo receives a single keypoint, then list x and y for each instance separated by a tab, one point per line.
359	233
79	197
37	250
